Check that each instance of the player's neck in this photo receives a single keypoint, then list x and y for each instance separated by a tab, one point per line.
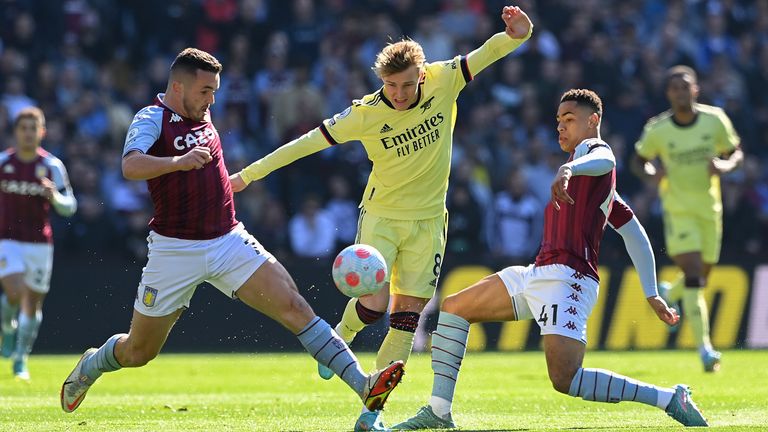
685	116
26	155
174	104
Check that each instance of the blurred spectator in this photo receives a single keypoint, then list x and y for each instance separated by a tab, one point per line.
312	230
514	230
342	210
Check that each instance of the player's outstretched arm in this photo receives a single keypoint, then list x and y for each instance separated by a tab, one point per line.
140	166
640	252
307	144
517	30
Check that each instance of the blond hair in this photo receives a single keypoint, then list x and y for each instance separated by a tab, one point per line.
398	56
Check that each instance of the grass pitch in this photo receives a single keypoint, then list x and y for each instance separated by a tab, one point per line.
282	392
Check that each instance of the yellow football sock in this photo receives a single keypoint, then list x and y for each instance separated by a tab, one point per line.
350	324
676	291
397	345
697	315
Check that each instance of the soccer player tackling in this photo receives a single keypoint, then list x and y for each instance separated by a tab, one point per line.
696	143
406	128
31	182
560	289
195	238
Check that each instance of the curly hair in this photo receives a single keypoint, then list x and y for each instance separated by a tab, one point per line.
585	98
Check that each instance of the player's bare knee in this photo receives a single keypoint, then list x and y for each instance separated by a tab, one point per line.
453	304
561	380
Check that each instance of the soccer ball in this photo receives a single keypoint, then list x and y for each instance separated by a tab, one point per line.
359	270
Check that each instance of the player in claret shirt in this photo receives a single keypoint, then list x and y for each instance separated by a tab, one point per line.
561	287
406	128
31	182
195	238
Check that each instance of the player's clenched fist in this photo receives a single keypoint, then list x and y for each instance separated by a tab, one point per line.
518	23
195	158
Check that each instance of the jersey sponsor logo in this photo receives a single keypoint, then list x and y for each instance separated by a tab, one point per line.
199	137
21	187
175	118
426	105
386	128
415	138
149	297
8	169
41	171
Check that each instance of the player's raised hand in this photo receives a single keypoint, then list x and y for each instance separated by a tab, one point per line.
518	23
237	182
560	187
663	311
49	188
195	158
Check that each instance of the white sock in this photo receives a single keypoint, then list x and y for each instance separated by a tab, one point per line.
441	407
664	397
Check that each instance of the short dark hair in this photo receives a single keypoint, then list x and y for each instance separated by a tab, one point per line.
192	59
31	112
584	97
680	71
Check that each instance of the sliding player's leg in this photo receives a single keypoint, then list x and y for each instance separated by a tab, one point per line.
486	300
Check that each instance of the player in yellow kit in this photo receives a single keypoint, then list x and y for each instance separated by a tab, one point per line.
695	144
406	128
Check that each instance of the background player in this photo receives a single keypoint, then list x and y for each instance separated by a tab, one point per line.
31	181
406	128
695	144
561	288
195	238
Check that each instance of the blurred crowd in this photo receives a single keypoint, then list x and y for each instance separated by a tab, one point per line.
91	64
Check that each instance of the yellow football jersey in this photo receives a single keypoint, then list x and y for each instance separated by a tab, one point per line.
411	149
686	152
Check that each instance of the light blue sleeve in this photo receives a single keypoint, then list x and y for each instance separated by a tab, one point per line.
65	204
593	157
144	130
639	248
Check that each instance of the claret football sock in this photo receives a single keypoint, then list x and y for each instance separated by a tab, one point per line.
329	349
103	360
600	385
449	344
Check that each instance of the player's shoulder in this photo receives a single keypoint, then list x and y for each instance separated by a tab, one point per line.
709	110
658	121
152	112
49	158
442	68
589	145
6	154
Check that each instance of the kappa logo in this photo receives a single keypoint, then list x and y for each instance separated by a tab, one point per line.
426	105
571	310
175	118
149	297
570	325
386	128
576	287
574	297
577	275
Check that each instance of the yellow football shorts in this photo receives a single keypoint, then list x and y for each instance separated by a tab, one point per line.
413	249
687	232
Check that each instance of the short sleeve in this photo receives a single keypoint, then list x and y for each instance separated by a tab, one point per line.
646	146
144	130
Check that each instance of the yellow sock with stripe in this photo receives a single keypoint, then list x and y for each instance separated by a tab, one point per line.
677	287
398	343
355	318
697	315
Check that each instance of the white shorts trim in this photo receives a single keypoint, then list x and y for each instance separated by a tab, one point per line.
34	260
558	297
176	267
